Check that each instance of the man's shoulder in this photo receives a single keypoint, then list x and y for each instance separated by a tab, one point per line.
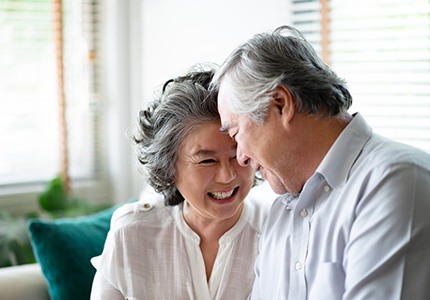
384	152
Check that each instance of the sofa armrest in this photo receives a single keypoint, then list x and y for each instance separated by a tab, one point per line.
23	282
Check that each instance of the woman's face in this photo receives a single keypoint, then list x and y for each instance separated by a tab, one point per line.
209	176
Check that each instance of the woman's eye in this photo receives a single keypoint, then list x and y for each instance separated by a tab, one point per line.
233	137
207	161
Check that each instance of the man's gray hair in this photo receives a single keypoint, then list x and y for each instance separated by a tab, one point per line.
282	57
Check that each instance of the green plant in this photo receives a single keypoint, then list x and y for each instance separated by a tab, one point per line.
15	247
54	200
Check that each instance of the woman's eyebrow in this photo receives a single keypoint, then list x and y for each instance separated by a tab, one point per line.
204	152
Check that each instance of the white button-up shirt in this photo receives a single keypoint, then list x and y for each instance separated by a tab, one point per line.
360	228
151	253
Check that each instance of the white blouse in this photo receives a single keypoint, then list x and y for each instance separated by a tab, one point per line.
151	253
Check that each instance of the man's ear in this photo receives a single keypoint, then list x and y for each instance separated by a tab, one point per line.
283	100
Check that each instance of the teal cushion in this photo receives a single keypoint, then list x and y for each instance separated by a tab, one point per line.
64	247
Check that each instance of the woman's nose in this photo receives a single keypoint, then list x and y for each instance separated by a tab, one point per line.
226	172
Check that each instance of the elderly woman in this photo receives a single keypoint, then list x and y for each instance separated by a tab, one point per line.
199	238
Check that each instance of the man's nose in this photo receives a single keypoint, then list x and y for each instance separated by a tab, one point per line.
242	159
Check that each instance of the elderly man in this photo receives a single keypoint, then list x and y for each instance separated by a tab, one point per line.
352	221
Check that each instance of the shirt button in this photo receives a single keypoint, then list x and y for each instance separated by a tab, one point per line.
326	188
146	206
303	213
298	266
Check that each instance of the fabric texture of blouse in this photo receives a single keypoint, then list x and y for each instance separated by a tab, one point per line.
360	228
151	253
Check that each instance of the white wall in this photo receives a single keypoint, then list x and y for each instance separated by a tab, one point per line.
122	95
177	34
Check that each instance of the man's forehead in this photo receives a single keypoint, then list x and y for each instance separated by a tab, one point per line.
224	107
224	94
227	118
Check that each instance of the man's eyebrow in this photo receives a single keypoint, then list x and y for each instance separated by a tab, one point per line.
224	129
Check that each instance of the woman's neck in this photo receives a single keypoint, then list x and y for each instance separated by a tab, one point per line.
209	231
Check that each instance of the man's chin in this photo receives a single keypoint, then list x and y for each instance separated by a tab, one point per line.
276	186
277	189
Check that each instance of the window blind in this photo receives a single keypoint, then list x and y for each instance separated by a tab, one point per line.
306	16
29	134
382	49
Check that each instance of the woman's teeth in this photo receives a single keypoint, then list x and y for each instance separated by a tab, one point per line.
222	195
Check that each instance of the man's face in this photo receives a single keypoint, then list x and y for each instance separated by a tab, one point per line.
258	144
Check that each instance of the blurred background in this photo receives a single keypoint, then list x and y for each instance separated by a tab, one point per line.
75	73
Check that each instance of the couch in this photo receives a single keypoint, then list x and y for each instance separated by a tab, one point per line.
63	249
23	282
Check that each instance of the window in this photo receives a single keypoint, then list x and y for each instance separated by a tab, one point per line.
382	50
29	114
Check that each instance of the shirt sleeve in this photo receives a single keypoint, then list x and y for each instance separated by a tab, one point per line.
386	256
256	288
110	281
255	294
103	290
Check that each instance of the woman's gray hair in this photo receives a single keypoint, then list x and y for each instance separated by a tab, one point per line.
184	103
282	57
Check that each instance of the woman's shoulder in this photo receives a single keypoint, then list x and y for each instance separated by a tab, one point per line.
258	203
261	197
145	212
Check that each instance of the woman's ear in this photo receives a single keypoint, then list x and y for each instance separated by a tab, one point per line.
284	102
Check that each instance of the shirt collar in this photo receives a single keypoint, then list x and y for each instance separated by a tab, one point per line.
340	158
